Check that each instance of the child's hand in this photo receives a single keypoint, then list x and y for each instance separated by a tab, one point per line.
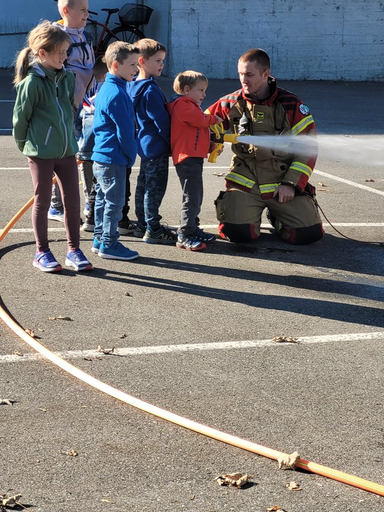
219	120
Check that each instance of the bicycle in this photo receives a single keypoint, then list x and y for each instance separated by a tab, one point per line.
131	16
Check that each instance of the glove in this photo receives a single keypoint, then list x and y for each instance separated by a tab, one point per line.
217	137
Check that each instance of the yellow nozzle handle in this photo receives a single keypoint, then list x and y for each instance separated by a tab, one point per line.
215	152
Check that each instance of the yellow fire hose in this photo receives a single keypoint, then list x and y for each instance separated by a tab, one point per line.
169	416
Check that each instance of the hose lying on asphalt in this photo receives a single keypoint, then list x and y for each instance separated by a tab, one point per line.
169	416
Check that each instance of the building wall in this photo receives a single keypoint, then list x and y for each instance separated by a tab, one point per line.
323	40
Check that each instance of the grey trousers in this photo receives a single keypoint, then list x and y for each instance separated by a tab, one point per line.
190	173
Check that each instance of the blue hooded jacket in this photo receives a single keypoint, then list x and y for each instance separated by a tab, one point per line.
152	119
114	124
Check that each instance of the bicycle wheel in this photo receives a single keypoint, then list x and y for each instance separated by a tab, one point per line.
128	34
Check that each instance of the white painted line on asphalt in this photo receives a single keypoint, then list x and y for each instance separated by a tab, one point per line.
214	226
348	182
198	347
135	168
327	175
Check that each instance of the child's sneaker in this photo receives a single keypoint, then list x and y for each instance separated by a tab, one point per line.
208	238
117	251
139	230
46	262
161	236
88	225
78	261
190	243
96	246
126	227
54	214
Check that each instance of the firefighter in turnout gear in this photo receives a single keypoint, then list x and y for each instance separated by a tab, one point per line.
259	177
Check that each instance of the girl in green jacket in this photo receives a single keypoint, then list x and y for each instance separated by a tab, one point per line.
43	131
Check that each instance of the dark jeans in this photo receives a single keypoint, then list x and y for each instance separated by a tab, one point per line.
125	216
150	189
68	183
190	173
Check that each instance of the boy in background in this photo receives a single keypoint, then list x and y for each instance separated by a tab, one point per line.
190	143
114	149
84	126
153	136
80	61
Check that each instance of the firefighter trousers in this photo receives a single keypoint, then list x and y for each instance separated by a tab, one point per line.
239	214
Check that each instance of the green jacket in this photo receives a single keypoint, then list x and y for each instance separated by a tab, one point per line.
43	114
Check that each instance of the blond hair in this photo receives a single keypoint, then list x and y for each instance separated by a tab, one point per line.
118	51
148	47
65	3
45	36
188	77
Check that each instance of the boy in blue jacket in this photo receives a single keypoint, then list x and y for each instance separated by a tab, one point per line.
153	139
114	149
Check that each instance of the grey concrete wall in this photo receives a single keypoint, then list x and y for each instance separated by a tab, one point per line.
323	40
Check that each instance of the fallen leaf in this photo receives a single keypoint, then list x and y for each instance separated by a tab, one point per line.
122	336
285	339
276	508
322	190
369	180
127	294
10	501
104	500
71	453
30	332
293	486
289	461
322	184
16	353
218	173
60	317
106	350
5	401
234	479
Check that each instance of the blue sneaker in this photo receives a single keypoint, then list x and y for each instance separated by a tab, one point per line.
78	261
96	245
117	251
54	214
190	243
46	262
208	238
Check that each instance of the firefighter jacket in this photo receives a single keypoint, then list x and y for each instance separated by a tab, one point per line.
263	169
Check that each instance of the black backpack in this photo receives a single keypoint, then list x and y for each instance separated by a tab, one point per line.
82	44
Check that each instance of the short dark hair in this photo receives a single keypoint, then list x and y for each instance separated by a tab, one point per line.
118	51
257	55
148	47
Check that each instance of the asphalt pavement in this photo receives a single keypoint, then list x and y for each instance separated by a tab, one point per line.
193	333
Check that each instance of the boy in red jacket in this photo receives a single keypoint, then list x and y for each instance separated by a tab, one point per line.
190	142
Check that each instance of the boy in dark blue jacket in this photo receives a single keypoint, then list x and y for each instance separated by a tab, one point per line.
153	139
114	149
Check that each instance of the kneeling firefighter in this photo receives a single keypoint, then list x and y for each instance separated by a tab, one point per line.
262	178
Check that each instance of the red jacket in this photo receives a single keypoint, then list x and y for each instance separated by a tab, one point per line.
190	134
